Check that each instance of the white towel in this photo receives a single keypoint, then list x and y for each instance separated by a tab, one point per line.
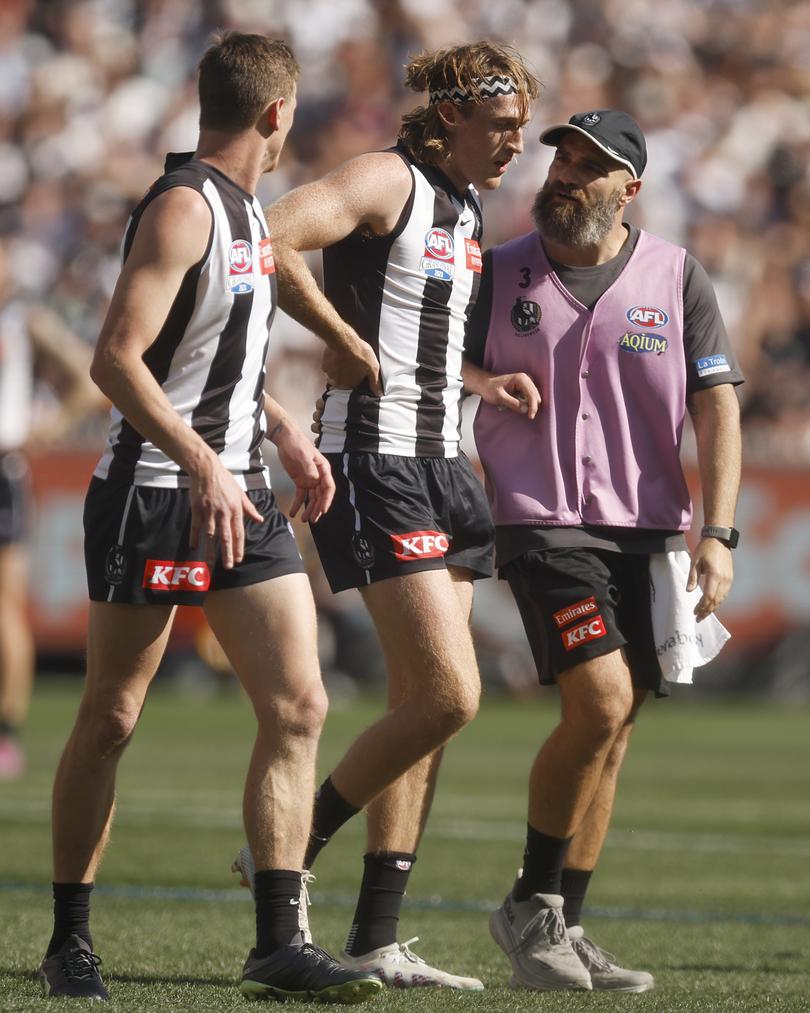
682	643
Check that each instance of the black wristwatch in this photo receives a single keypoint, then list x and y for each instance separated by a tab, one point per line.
728	536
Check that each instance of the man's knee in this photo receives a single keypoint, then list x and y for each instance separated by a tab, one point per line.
104	729
299	713
450	713
599	709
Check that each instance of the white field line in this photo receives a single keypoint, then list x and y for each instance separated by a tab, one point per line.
172	812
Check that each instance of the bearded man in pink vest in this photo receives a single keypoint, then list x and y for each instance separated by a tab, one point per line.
621	332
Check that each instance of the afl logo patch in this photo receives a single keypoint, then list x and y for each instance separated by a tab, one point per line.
440	252
526	316
647	316
240	266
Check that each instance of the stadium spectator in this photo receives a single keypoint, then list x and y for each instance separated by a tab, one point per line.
622	334
34	343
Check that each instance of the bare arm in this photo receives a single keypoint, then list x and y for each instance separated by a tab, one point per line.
515	391
172	237
368	191
303	462
69	358
716	417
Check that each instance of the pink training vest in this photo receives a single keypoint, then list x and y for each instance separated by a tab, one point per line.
604	447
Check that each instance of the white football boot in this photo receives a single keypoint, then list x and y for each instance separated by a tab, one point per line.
532	934
245	866
398	966
604	971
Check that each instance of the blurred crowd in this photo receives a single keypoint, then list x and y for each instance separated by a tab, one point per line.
94	92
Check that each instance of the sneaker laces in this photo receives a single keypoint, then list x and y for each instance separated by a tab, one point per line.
592	956
547	922
321	954
79	965
307	878
406	952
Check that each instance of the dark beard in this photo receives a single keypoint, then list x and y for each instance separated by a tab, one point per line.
577	225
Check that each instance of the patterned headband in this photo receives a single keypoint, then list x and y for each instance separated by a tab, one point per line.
488	87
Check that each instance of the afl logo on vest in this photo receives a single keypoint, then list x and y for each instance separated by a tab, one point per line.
526	316
240	267
647	316
440	252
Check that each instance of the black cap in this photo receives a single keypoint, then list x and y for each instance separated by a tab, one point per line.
616	133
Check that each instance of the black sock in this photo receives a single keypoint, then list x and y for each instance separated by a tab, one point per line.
543	860
573	887
71	914
278	895
385	876
8	730
330	813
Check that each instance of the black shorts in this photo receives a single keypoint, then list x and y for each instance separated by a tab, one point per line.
395	515
136	547
578	604
15	498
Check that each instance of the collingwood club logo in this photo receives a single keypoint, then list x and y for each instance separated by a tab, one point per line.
114	565
363	552
526	316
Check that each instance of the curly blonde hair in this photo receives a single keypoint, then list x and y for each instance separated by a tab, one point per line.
458	67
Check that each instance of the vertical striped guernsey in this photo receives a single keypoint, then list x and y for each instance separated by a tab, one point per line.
408	295
209	357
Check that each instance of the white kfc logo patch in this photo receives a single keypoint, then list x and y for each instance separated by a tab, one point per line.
420	545
579	635
169	575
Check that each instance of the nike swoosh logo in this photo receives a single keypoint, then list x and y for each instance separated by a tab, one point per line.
467	222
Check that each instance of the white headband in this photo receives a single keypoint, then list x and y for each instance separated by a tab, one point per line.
488	87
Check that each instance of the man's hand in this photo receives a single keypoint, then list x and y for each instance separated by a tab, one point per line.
712	568
317	415
218	509
309	470
515	391
350	365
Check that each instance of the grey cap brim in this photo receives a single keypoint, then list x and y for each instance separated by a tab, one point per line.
553	135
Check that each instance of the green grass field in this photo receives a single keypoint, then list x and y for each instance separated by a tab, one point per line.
705	879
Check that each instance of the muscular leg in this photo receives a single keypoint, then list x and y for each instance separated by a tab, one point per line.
124	647
597	698
434	687
267	631
16	642
397	817
589	838
590	835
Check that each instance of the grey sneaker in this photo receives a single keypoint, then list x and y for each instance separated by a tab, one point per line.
245	866
532	934
72	971
306	974
604	971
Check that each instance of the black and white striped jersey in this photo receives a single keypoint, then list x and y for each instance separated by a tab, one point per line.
209	357
408	295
